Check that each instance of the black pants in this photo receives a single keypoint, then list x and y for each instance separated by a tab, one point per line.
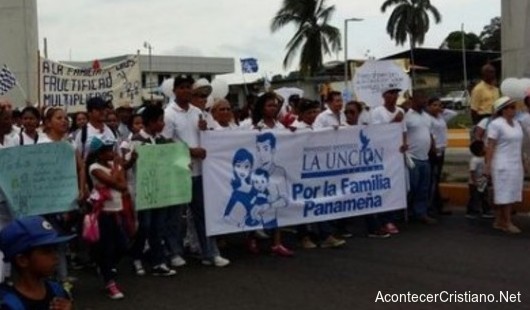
478	201
437	164
112	243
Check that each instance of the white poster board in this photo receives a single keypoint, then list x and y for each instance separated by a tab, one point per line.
372	77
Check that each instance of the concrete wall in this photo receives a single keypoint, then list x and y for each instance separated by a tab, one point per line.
19	45
515	38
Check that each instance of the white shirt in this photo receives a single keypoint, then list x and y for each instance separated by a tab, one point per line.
246	124
44	138
476	166
231	126
439	132
105	134
484	124
508	146
419	129
27	140
381	115
115	203
9	141
300	125
364	118
183	125
327	118
277	125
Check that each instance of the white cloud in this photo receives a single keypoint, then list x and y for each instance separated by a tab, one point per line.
229	28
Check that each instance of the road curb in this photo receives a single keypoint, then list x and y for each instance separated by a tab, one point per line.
458	196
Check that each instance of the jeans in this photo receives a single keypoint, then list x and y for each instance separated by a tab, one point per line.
151	229
208	244
112	243
420	184
173	234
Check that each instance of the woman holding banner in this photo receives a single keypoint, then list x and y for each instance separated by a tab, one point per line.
265	117
56	130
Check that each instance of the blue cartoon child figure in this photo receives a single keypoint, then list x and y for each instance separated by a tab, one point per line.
264	209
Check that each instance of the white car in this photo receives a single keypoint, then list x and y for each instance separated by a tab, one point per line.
457	100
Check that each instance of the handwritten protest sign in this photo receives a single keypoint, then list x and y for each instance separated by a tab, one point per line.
70	87
163	176
39	179
372	77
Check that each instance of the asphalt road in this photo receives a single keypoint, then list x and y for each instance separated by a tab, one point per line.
456	255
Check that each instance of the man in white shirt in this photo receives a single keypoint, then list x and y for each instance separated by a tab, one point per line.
200	92
439	117
95	127
125	113
332	116
183	122
420	143
382	225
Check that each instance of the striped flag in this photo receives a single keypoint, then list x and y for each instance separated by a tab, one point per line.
7	80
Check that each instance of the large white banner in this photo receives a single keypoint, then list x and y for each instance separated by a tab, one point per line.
266	179
70	88
372	77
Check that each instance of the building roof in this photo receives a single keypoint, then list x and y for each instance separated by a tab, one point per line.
447	59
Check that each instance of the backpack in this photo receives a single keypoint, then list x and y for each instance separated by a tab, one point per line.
10	299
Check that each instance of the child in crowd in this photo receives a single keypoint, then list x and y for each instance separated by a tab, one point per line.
30	123
478	183
151	223
30	244
108	184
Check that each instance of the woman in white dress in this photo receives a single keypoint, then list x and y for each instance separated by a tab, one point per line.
504	162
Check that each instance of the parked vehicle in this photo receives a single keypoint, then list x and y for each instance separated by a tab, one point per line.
456	100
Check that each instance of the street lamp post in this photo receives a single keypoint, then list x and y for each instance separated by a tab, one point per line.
150	48
346	48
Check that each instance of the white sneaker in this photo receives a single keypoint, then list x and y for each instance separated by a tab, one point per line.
138	267
218	261
261	234
177	261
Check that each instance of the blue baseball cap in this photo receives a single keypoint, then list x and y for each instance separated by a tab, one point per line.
26	233
97	143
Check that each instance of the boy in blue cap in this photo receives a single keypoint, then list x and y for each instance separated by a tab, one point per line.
30	245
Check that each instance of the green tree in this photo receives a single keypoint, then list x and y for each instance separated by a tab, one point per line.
491	35
454	40
314	36
410	20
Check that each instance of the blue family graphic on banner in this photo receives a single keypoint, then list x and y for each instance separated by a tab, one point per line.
257	189
280	178
39	179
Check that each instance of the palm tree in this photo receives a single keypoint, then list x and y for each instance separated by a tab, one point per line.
410	20
314	36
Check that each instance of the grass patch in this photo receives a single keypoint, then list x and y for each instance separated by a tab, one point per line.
462	120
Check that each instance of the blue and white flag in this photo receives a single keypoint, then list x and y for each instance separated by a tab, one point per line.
7	80
249	65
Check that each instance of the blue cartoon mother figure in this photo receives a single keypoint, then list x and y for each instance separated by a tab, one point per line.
239	207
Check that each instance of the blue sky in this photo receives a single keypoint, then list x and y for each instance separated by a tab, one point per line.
89	29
